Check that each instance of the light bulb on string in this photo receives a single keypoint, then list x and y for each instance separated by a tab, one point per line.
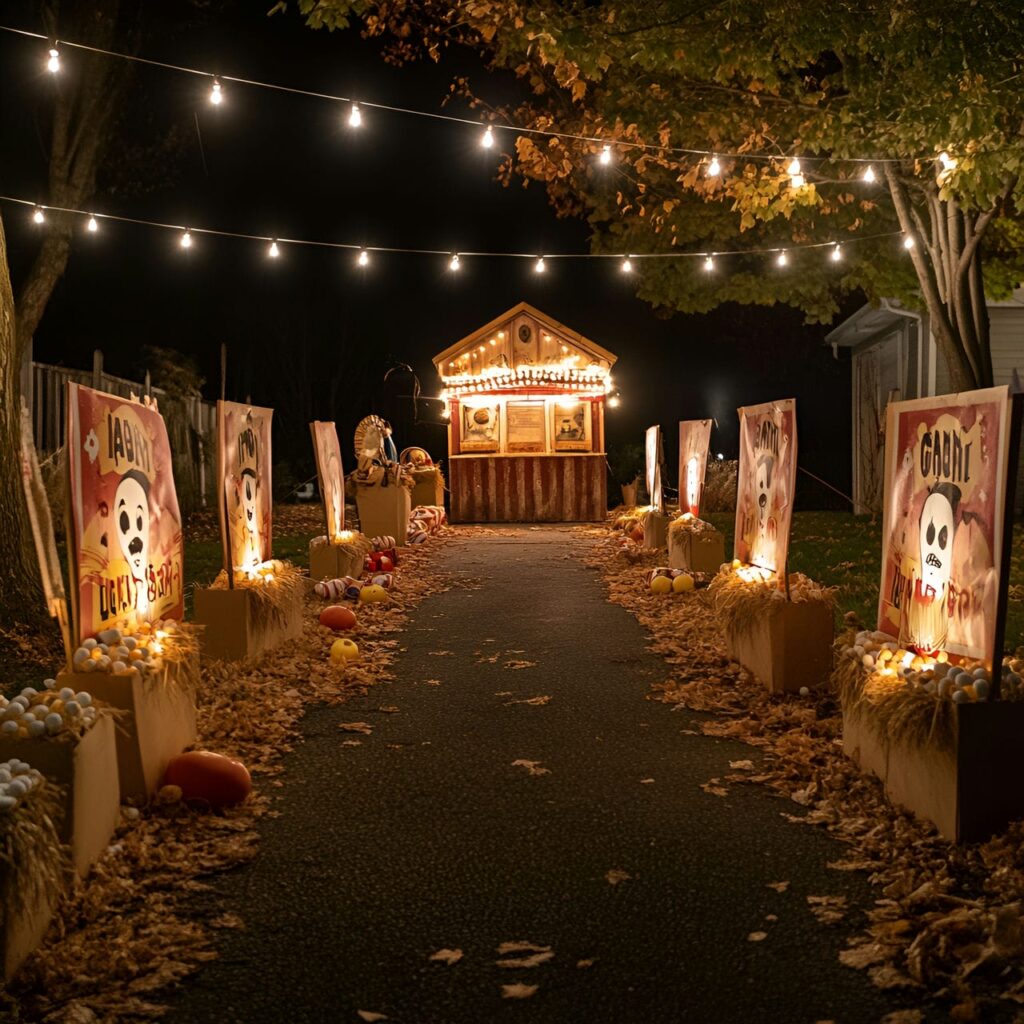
869	175
38	216
794	167
487	140
216	96
606	155
355	118
53	61
837	253
453	263
363	258
627	265
539	267
614	401
273	251
186	239
948	162
714	168
908	241
782	259
709	263
92	225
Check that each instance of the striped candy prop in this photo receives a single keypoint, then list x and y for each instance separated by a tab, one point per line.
347	586
384	542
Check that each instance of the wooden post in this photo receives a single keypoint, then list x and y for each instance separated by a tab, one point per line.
97	369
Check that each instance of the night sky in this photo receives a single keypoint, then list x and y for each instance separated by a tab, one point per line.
313	335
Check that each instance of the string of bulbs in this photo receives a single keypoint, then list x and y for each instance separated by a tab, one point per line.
187	235
710	158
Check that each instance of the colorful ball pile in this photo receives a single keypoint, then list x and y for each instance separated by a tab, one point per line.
17	780
122	653
48	712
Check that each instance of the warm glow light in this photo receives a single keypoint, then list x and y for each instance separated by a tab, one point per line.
709	263
869	175
782	259
714	168
797	181
216	96
720	456
606	155
355	119
948	162
53	64
837	253
908	241
92	225
488	138
627	266
38	215
453	263
614	401
186	239
273	252
794	167
539	266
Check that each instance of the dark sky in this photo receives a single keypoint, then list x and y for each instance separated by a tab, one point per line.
290	166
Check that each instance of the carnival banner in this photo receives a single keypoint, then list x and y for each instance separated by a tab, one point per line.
946	468
243	452
694	439
126	552
330	475
652	467
766	484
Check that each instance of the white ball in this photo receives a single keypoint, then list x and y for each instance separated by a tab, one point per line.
72	709
36	728
17	788
8	728
54	722
66	693
80	655
83	698
8	803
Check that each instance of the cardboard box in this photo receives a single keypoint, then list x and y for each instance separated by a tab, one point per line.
87	769
963	792
159	720
428	486
233	628
696	552
656	529
790	646
332	562
384	511
22	927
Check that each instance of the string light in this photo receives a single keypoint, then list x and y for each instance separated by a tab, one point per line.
53	63
908	241
869	175
606	155
364	258
837	253
614	401
627	265
714	168
539	267
488	138
795	176
355	119
709	263
38	216
186	239
216	98
453	263
782	259
273	251
948	163
92	225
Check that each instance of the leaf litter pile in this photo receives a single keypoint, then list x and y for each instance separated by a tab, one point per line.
948	920
134	926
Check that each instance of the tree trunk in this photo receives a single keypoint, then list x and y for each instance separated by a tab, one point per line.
22	602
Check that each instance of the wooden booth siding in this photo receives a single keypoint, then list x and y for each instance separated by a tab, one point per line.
528	488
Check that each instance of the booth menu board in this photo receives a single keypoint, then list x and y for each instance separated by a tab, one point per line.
694	439
126	538
946	468
526	427
481	427
330	475
244	459
766	484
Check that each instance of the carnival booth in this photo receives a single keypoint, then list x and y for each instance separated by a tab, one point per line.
930	703
525	396
693	544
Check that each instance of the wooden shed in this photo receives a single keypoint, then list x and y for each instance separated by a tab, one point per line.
525	398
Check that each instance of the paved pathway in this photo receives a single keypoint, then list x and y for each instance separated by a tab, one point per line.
425	836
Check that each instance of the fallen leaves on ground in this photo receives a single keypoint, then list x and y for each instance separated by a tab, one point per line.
532	767
364	727
520	946
714	787
431	682
757	936
370	1016
778	886
447	956
517	663
533	960
518	991
646	782
532	701
828	909
616	875
582	964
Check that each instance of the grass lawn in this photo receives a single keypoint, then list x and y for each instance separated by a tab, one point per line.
843	550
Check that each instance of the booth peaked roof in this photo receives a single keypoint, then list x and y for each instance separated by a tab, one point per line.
585	344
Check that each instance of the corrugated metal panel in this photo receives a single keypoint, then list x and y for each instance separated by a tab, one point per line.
528	488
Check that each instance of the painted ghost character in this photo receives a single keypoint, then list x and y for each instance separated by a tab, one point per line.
248	497
131	521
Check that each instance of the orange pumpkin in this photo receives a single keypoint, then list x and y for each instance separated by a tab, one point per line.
338	617
203	775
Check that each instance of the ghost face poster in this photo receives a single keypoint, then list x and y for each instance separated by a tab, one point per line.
946	462
330	474
694	438
244	457
652	466
126	528
766	481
